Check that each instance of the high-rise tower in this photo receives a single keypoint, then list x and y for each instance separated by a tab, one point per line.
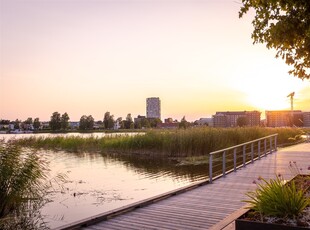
153	107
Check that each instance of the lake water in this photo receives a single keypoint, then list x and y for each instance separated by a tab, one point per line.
97	183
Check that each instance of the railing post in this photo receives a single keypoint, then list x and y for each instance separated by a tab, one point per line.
270	141
258	149
244	155
210	168
275	142
265	147
224	163
235	159
252	152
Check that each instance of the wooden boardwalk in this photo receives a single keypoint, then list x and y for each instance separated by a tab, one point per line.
211	206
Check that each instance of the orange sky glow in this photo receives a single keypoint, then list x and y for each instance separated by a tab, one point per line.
88	57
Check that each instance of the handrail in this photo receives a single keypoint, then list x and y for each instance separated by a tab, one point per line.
243	145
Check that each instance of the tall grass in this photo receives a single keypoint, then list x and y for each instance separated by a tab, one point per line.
21	187
180	142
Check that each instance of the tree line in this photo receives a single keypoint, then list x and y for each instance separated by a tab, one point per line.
87	122
61	122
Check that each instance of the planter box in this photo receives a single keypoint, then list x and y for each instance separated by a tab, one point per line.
242	224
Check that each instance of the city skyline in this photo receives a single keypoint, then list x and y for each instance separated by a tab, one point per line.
254	116
89	57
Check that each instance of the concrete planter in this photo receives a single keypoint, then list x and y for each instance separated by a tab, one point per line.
243	224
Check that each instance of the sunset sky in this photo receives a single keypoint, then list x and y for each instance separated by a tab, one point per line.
92	56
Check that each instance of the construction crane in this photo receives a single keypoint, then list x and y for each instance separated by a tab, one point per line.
291	95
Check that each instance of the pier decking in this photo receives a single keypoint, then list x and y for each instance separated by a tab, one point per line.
211	206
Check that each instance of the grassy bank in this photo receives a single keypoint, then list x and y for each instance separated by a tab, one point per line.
189	142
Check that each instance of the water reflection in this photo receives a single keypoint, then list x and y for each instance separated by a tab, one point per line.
101	182
152	167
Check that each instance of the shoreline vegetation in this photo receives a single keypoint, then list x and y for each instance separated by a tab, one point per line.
169	143
22	188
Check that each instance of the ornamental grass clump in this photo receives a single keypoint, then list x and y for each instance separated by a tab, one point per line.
274	198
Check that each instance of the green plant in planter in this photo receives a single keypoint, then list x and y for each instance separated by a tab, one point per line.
274	198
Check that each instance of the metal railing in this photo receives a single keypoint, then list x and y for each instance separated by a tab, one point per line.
260	152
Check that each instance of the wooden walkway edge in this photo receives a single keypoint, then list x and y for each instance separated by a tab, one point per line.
202	205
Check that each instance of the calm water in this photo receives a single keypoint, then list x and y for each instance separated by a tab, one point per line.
97	183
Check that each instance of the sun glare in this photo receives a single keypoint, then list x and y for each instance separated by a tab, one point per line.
270	93
267	101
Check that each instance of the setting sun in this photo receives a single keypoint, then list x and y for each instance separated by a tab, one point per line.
268	102
272	96
269	92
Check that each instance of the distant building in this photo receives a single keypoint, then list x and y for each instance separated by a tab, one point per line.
153	107
139	119
205	121
168	124
220	120
116	125
284	118
306	119
230	118
46	124
169	120
74	124
11	126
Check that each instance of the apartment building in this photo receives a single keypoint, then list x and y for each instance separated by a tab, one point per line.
285	118
153	107
306	119
230	118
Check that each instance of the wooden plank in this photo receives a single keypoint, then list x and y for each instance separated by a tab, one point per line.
176	221
184	215
204	206
135	225
229	219
148	219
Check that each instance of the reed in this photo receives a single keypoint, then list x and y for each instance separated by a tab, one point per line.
21	187
175	143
